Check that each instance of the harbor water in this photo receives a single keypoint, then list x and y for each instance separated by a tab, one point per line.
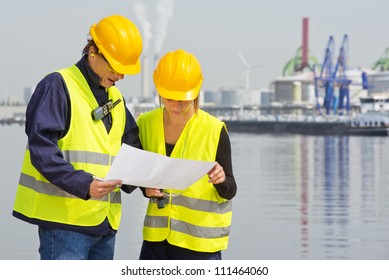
299	198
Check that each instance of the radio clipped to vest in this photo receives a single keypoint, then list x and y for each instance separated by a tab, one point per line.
101	111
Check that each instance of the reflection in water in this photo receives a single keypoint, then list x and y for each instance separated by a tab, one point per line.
299	197
306	197
336	196
333	187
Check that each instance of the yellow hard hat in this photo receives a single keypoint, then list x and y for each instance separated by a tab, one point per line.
120	41
178	76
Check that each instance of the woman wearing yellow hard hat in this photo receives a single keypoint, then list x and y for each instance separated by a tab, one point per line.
195	223
76	122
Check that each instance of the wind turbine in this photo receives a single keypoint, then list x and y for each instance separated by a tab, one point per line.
247	69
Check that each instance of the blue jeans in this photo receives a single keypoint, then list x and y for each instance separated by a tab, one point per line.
165	251
56	244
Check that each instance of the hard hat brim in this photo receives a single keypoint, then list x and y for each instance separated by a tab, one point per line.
180	95
126	69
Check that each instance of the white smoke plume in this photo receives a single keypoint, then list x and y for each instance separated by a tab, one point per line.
164	10
147	35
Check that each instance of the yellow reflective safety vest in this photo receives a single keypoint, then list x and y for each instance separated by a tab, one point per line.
197	218
87	146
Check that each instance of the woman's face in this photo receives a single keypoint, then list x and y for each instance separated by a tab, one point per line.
178	108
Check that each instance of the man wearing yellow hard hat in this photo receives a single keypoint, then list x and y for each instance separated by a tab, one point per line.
76	122
193	224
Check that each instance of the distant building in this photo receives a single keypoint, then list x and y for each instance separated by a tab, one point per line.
378	83
27	94
301	87
239	96
296	88
249	97
13	101
212	97
267	97
229	97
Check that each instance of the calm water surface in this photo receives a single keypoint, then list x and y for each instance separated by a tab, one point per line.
299	197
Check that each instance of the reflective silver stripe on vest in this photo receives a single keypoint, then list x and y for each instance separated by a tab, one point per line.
180	226
86	157
116	197
50	189
202	205
199	231
156	221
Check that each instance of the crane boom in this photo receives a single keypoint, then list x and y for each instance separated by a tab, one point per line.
334	76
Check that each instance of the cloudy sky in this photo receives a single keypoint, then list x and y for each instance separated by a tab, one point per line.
41	36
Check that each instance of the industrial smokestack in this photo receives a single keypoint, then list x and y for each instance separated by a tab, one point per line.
304	45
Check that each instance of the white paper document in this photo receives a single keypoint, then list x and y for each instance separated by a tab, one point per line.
146	169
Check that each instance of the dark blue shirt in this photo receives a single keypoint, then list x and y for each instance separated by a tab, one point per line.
47	121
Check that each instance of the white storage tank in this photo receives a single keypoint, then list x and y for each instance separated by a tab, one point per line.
293	88
229	97
212	97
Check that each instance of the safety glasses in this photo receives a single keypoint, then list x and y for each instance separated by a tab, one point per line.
109	67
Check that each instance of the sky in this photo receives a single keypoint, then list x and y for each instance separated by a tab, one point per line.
41	36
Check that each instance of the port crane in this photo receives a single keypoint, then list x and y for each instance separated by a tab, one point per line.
382	64
332	77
